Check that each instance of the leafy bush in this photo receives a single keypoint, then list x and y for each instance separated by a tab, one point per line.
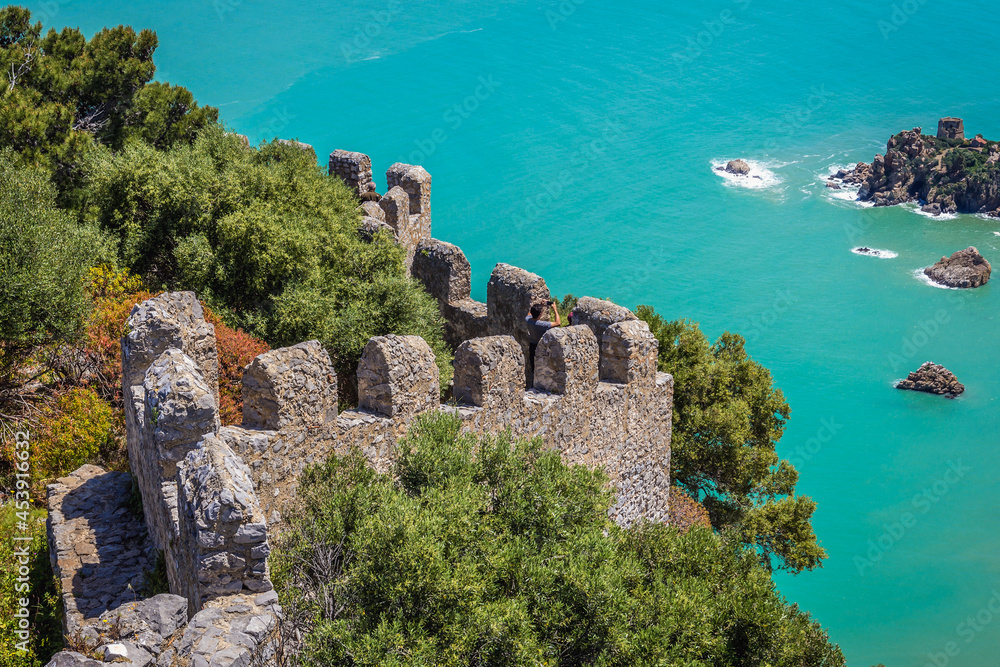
78	427
44	608
115	293
64	95
264	237
727	420
488	551
44	258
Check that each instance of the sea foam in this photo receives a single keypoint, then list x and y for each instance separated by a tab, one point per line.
875	252
922	277
760	177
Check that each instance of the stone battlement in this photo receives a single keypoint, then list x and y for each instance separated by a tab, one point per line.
213	496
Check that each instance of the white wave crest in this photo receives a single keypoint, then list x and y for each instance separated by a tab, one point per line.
944	216
924	278
874	252
760	177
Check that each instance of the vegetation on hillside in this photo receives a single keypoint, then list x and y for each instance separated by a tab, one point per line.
114	188
728	418
480	550
266	238
64	95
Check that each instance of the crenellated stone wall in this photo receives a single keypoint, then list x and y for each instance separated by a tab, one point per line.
212	495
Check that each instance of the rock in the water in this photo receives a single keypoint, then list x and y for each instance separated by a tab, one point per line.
738	167
934	379
832	185
933	208
966	268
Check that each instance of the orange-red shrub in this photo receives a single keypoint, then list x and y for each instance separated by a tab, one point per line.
236	349
115	293
685	511
104	335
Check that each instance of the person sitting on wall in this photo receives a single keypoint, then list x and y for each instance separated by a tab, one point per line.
538	327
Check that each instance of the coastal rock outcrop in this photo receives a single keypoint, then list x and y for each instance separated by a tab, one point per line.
965	269
947	172
739	167
933	379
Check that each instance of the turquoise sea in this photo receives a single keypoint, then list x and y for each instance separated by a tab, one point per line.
577	139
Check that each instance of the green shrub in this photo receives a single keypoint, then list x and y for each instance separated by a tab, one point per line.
44	612
44	257
488	551
727	419
78	427
265	238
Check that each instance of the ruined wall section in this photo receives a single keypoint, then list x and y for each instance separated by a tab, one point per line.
446	274
169	373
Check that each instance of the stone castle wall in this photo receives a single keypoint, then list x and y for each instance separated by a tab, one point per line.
212	495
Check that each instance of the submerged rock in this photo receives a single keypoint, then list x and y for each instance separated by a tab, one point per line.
965	268
739	167
933	379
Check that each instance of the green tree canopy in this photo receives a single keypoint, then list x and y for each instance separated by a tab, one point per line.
728	418
265	237
488	551
61	94
44	257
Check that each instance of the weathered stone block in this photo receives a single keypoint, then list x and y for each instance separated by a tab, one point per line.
395	205
372	210
443	270
464	320
398	376
355	169
216	496
566	360
417	184
180	408
369	227
294	387
628	354
509	296
172	319
599	314
489	372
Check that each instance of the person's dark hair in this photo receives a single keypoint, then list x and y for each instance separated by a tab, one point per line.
536	311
